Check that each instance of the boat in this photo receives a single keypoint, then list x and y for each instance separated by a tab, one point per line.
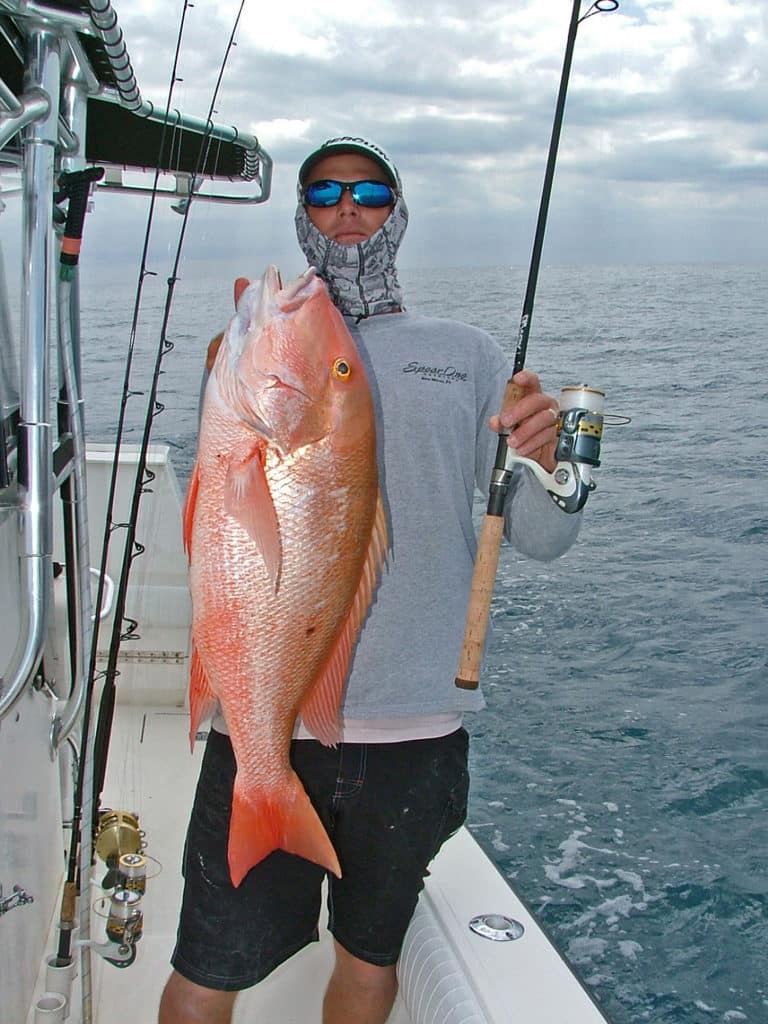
91	943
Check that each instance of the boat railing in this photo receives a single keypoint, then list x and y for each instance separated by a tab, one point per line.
34	485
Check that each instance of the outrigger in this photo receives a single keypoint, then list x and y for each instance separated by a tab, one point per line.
93	803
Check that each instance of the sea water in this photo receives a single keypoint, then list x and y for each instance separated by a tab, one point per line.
620	772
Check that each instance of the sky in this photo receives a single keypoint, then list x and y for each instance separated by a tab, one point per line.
663	155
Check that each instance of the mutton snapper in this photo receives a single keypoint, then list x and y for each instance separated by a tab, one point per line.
286	534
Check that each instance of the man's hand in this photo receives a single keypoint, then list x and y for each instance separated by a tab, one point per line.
532	419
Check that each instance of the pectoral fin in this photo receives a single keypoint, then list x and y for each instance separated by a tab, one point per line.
247	499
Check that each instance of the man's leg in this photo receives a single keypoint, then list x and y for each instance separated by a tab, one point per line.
358	992
184	1002
231	938
394	804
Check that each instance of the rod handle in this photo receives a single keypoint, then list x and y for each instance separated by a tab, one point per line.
483	579
67	923
68	905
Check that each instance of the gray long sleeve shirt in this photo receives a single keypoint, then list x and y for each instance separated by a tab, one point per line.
435	383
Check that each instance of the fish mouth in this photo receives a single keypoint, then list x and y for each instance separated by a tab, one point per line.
294	294
286	298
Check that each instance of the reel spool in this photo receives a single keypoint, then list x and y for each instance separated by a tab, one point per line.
125	921
580	425
132	873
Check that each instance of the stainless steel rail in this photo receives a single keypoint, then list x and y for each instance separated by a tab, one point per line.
35	484
102	23
63	726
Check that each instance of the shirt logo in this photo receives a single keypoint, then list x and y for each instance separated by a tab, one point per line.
438	374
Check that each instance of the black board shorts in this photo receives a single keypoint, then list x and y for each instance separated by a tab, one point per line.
387	808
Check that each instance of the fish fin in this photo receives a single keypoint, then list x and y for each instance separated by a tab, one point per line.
320	708
213	350
286	821
188	512
247	499
202	699
241	283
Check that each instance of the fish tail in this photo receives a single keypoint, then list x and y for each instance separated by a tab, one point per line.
281	821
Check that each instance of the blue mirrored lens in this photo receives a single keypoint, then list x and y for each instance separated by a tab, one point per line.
372	193
323	193
364	193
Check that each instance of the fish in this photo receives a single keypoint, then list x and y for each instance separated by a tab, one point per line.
285	530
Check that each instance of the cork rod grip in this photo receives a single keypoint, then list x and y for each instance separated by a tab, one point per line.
480	596
68	906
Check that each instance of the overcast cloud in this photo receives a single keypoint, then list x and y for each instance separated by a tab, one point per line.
663	155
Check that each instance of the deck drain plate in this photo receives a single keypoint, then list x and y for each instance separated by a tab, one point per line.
497	927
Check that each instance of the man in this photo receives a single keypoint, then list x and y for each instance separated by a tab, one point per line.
396	787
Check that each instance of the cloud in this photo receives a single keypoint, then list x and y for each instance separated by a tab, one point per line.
663	150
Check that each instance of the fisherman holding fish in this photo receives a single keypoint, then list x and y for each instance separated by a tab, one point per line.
329	528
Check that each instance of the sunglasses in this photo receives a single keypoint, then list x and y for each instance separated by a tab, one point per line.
365	193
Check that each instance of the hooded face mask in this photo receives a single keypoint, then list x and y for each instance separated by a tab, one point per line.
361	278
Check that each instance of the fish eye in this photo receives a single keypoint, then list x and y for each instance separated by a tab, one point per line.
341	369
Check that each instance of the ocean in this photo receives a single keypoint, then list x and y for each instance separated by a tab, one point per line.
620	772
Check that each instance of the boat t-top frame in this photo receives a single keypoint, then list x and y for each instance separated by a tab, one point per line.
69	100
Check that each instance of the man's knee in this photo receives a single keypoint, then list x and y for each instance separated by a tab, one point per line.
351	972
184	1002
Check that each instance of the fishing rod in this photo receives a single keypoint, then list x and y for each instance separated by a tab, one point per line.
82	827
95	742
144	476
579	423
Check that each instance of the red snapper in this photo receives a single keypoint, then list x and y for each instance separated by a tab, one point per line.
286	535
